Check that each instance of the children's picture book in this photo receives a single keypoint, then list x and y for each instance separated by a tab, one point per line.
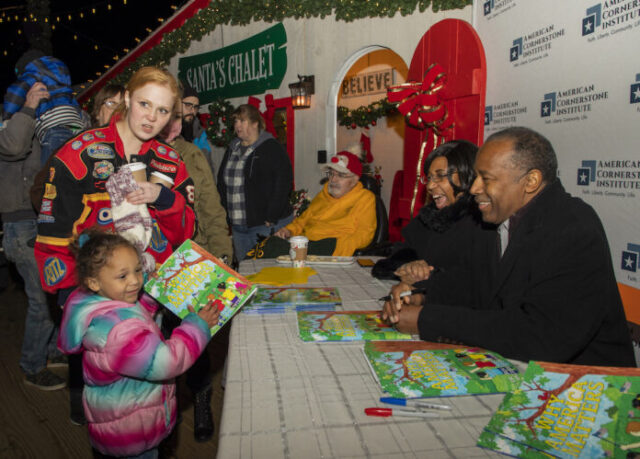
277	300
345	326
509	447
191	276
569	411
424	369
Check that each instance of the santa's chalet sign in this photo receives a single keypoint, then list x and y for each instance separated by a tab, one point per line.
248	67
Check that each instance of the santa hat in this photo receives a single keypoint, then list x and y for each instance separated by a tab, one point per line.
346	162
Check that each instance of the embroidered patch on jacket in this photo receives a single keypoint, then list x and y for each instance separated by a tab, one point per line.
50	191
102	170
53	271
99	134
104	216
158	242
163	167
52	173
87	137
100	151
46	206
76	144
46	219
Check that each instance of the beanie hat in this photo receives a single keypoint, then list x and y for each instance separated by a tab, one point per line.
30	55
188	91
346	162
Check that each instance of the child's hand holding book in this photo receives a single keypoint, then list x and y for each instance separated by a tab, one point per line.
209	313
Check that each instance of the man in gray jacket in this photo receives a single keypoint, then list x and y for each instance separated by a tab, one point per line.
19	163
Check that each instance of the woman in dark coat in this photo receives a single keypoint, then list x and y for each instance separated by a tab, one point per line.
440	237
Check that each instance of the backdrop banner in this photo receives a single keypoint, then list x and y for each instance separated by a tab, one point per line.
570	70
248	67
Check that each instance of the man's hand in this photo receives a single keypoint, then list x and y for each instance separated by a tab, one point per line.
146	194
413	272
36	93
408	319
393	307
283	232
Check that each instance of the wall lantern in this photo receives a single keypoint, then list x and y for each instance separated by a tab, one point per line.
301	91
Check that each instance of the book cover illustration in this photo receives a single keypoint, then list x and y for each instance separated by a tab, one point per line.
191	276
509	447
345	326
276	300
572	411
423	369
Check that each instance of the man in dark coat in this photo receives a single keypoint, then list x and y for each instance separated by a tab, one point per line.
543	288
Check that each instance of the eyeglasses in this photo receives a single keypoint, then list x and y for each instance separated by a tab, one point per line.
191	106
333	173
437	178
110	103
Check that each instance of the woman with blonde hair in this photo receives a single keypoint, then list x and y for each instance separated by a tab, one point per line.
75	196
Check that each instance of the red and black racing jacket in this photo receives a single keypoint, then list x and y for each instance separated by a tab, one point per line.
75	198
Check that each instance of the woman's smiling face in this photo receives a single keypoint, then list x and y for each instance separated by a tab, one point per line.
438	185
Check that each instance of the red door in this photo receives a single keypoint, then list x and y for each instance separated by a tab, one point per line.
455	46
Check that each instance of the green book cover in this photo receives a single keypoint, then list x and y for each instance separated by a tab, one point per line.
571	411
191	276
345	326
424	369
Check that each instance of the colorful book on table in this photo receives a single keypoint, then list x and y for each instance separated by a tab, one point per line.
191	276
569	411
276	300
345	326
424	369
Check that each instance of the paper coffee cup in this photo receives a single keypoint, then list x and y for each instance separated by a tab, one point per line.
298	250
138	170
162	179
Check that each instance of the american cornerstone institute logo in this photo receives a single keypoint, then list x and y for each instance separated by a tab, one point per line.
573	101
534	45
630	257
492	8
503	114
609	177
634	93
617	14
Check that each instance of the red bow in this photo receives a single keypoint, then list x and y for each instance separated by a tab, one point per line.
420	103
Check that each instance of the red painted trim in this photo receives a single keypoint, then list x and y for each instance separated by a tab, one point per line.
175	22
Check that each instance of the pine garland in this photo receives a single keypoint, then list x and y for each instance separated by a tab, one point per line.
243	12
365	116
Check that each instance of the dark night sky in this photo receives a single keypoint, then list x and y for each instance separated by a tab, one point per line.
111	30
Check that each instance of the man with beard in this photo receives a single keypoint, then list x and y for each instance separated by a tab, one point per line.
192	130
343	210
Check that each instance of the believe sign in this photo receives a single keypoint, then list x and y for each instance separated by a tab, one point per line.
248	67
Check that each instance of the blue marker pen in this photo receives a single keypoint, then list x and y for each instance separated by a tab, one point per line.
412	402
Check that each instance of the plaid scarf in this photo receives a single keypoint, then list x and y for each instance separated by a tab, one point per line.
234	179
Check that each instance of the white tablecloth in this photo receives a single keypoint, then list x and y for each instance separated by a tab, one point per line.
288	399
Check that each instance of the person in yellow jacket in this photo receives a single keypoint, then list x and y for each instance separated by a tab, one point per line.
343	210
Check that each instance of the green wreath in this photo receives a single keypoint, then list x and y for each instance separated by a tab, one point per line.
220	125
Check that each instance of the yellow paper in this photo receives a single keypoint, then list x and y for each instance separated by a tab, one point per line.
276	275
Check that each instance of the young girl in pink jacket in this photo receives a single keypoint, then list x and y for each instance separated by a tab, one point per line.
129	397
